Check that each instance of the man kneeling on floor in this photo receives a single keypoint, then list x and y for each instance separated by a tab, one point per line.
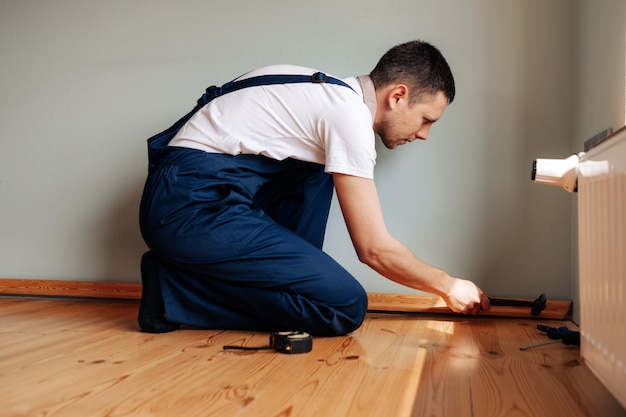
238	193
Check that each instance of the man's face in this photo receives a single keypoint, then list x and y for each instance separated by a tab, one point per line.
402	123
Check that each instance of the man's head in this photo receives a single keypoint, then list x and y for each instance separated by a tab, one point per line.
418	65
413	85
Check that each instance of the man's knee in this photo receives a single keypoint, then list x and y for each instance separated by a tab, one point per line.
359	309
349	316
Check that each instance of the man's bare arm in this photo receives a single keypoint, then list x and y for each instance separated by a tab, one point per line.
376	248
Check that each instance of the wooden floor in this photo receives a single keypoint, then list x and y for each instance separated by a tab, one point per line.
62	357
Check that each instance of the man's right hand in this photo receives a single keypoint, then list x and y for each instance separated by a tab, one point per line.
466	298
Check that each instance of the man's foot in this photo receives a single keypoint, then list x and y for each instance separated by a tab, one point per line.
156	325
151	310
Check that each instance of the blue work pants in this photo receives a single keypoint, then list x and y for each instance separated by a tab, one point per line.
238	244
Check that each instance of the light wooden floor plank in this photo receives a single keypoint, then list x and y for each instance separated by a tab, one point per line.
477	369
86	358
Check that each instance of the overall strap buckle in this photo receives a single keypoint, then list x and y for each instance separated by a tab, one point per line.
319	77
209	94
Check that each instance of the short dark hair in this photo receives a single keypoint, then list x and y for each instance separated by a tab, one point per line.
420	66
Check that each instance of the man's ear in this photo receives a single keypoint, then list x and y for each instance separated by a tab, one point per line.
397	94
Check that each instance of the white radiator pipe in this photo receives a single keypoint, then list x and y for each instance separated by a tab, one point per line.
559	172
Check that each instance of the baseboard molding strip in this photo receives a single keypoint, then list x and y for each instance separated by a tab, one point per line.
73	289
378	302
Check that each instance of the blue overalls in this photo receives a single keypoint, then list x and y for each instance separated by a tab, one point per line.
236	241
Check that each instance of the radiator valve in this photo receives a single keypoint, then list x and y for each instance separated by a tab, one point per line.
559	172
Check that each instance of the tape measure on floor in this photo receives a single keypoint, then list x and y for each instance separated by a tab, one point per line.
284	342
291	342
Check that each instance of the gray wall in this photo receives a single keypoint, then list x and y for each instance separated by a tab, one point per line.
83	84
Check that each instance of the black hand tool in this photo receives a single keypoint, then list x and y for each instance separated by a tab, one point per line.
536	306
559	335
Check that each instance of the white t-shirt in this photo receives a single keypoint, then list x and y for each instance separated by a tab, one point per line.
322	123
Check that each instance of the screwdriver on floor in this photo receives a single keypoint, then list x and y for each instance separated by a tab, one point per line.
558	334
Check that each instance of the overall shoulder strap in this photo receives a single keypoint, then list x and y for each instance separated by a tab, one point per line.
317	78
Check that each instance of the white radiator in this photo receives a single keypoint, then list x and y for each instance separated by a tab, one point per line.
602	261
